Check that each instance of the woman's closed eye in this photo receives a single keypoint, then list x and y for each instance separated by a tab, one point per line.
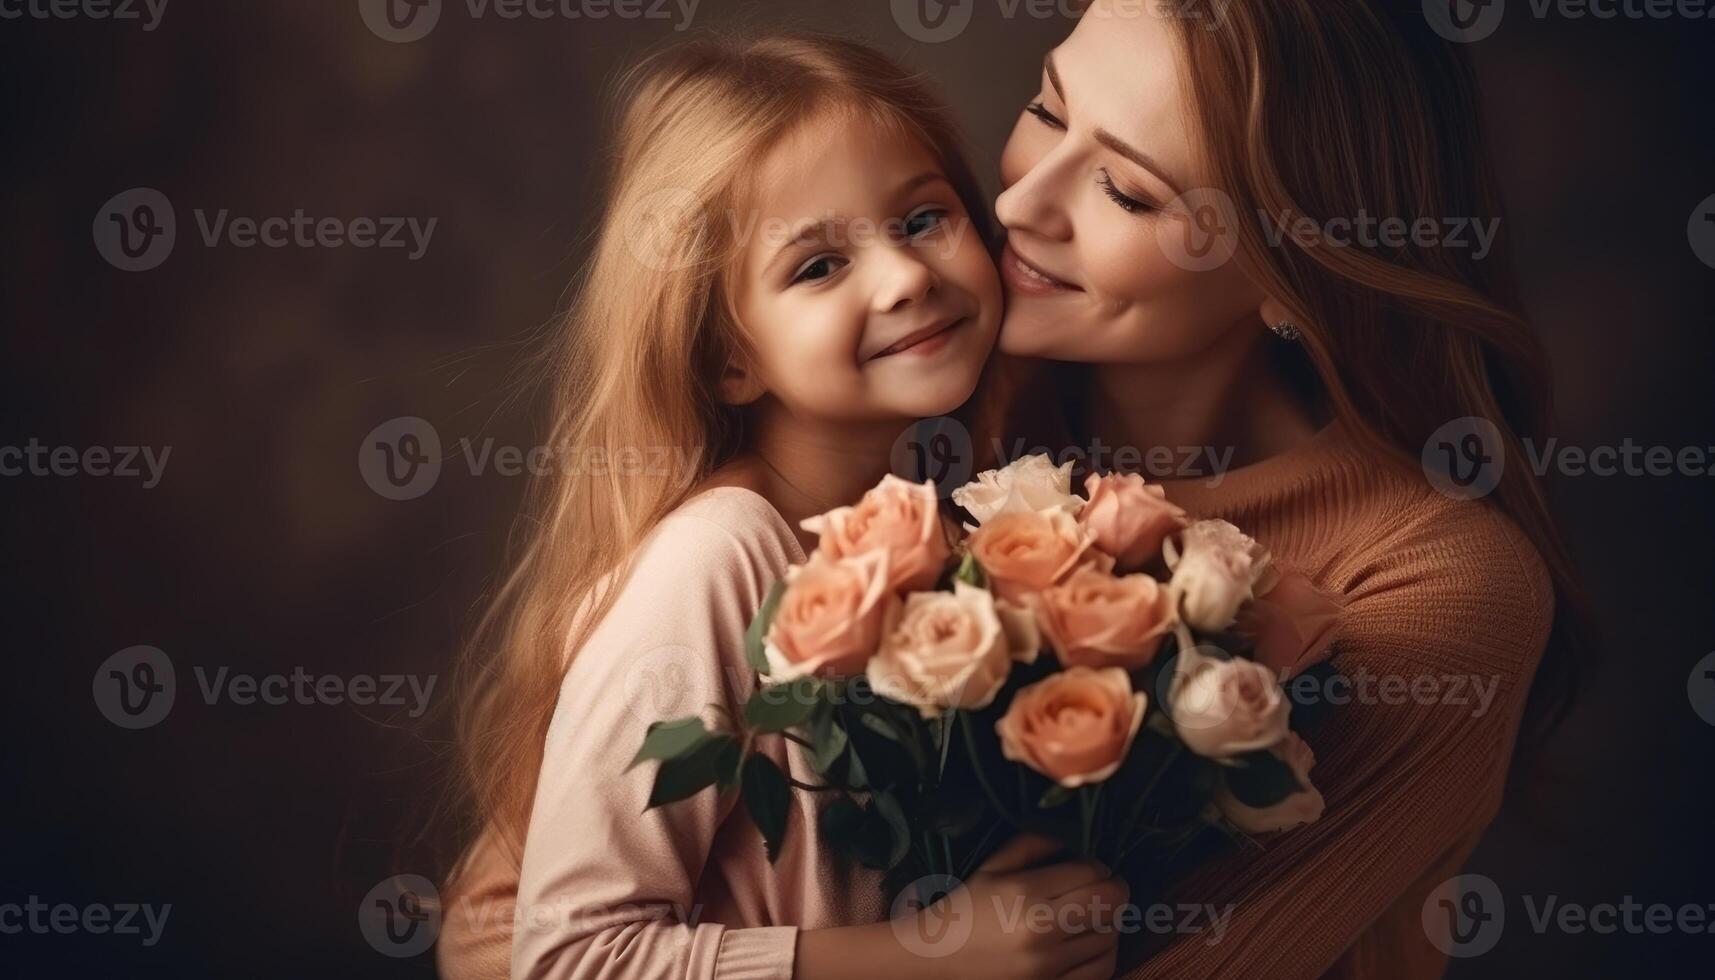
1131	204
1041	112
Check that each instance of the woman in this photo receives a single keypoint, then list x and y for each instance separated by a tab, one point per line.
1180	316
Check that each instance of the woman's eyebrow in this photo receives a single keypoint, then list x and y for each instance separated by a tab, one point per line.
1108	139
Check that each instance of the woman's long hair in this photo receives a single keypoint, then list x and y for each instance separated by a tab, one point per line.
1335	109
633	369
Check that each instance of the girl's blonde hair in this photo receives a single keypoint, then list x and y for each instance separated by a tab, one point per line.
634	368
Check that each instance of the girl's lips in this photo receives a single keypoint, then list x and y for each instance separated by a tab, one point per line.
1022	277
923	342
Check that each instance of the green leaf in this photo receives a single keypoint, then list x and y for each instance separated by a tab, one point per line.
971	572
727	764
767	798
753	637
1055	796
829	738
777	707
883	804
688	774
882	726
1262	781
671	739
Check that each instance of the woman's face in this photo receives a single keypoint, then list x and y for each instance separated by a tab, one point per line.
1114	254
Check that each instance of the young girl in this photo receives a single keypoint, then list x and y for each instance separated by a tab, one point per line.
790	271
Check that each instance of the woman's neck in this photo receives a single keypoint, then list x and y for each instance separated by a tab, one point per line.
806	467
1229	401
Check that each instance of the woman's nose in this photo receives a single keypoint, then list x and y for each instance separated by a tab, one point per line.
1036	202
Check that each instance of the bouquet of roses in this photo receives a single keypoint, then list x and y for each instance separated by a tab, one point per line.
1101	669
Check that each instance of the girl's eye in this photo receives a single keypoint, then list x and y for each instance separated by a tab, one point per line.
1131	204
925	221
817	269
1041	112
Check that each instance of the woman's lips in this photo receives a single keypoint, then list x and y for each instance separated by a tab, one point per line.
926	341
1022	277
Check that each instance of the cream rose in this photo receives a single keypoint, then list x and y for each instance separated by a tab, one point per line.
1128	519
901	518
1097	620
1029	484
1075	727
1216	568
949	650
1023	553
1296	810
1224	707
831	617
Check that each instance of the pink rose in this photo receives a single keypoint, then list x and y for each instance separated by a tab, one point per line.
901	518
1296	810
1128	519
1216	569
1096	620
1221	708
831	617
1027	551
1293	624
1075	727
950	650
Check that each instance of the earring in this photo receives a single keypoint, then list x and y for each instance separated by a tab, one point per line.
1288	331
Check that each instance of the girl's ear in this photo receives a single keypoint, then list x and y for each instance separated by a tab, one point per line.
740	384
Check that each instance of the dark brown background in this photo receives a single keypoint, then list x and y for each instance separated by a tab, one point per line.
264	550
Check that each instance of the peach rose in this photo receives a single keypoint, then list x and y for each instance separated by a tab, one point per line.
1097	620
1025	485
1223	707
1293	624
950	650
831	617
902	518
1296	810
1127	519
1075	727
1023	553
1216	569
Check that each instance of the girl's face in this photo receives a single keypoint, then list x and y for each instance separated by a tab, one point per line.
1113	251
864	289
